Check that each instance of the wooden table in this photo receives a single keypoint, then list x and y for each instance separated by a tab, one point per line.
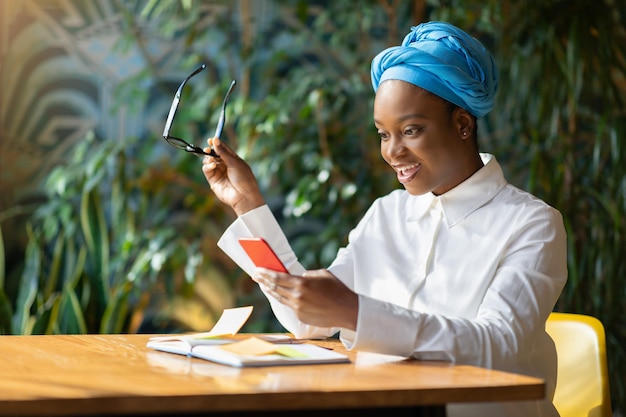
83	375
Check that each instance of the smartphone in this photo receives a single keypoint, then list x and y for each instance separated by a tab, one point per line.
261	254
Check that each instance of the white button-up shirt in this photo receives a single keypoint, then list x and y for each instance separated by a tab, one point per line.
469	276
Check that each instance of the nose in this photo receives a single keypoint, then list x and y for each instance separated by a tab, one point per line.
392	148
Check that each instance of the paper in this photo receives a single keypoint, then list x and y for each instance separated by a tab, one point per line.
281	355
254	346
229	323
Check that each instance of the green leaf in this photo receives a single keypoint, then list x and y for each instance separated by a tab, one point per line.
116	312
78	270
2	260
45	318
96	237
28	286
71	319
5	313
57	260
149	8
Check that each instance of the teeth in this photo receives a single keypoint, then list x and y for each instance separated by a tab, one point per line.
407	172
405	168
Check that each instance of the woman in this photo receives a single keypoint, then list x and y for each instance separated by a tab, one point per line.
459	266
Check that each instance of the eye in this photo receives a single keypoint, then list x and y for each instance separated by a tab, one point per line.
412	130
383	135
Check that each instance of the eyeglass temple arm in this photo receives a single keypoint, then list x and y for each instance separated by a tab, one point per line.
174	106
170	115
222	118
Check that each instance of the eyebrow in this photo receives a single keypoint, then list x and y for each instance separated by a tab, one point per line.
406	117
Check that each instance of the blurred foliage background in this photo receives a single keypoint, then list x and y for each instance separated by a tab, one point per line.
125	239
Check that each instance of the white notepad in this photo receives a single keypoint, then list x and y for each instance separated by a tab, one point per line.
218	345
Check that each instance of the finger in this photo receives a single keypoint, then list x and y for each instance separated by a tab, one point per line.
223	150
212	150
279	279
210	168
263	279
316	273
274	284
213	142
271	288
267	277
209	161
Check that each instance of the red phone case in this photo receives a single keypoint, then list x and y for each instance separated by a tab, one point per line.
261	253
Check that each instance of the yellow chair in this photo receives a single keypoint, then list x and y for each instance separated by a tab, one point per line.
582	387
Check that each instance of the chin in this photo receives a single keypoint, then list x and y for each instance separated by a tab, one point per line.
413	190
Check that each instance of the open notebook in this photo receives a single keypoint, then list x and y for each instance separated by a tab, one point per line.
219	345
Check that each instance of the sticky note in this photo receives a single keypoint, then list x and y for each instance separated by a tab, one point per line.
254	346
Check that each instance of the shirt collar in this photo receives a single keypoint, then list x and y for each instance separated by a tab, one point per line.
465	198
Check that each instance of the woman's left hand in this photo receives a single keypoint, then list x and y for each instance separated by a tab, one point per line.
318	298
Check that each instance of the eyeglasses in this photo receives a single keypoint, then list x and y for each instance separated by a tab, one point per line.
182	144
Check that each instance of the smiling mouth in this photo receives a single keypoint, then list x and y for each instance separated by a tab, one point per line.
407	173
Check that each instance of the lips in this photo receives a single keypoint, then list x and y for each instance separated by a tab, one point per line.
406	173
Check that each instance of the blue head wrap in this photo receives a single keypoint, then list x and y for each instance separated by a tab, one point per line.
444	60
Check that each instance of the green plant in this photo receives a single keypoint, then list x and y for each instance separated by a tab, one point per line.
301	110
111	250
566	118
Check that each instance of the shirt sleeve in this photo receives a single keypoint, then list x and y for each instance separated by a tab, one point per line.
261	222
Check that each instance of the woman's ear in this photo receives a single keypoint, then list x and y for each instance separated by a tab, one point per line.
464	122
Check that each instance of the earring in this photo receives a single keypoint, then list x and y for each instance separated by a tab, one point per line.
464	133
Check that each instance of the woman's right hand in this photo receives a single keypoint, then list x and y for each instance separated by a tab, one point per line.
231	179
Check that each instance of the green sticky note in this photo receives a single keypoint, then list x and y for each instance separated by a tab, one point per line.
290	352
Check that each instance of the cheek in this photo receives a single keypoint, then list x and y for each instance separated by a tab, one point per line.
428	146
384	151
